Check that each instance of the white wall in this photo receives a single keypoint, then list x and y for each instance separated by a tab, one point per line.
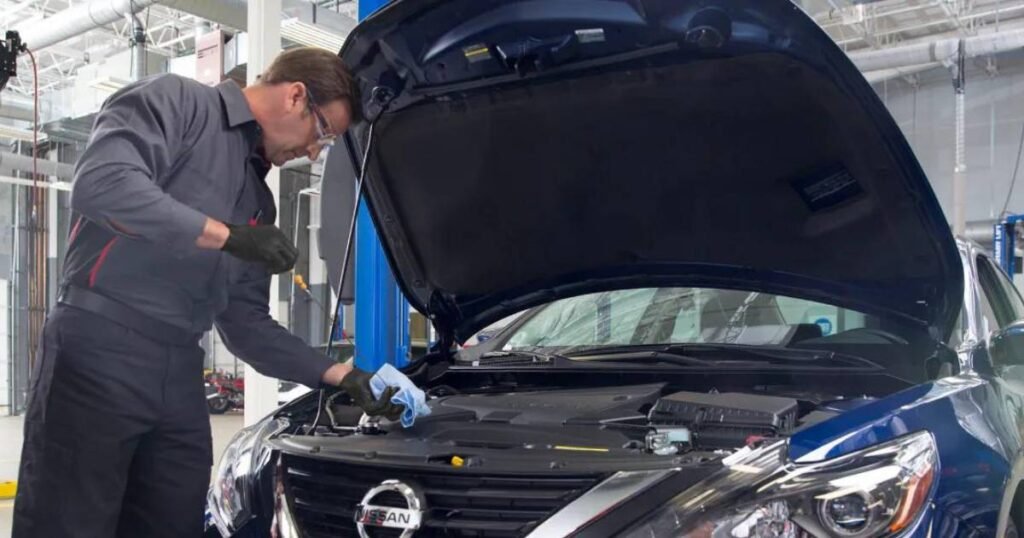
82	99
994	116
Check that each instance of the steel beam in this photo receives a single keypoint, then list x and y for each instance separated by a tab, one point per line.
264	22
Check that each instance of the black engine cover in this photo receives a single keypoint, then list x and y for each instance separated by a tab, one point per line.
728	419
584	406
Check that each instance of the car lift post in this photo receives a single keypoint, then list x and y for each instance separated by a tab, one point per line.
382	313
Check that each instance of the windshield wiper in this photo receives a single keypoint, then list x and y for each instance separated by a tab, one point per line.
767	352
717	354
518	356
635	355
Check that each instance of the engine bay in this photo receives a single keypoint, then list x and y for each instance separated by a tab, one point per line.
643	424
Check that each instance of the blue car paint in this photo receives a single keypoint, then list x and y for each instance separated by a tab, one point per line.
842	406
976	437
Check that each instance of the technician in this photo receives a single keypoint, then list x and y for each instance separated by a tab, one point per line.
174	234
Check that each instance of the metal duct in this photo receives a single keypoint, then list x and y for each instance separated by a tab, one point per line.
942	51
981	231
886	74
84	17
231	13
78	20
138	49
907	55
15	112
45	167
960	162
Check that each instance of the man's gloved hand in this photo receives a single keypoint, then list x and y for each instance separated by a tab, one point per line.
409	395
262	243
356	384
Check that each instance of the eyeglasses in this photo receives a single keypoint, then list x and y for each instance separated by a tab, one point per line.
324	139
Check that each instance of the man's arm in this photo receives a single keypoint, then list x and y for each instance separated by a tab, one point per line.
134	142
250	333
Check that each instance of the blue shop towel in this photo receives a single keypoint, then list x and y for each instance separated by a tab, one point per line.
409	395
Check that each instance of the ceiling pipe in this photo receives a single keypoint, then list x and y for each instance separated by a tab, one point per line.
81	18
138	48
233	13
45	167
886	74
972	16
77	20
941	51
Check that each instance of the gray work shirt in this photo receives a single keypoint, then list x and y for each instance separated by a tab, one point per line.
166	152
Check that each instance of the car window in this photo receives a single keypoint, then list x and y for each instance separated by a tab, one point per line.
959	328
1010	292
681	315
595	319
988	316
831	319
995	305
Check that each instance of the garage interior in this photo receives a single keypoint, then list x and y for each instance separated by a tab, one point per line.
951	73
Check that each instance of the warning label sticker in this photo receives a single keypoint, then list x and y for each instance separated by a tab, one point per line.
590	35
828	188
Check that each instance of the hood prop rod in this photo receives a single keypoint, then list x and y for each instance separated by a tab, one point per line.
382	97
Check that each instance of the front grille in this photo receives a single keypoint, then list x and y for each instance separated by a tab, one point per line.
324	495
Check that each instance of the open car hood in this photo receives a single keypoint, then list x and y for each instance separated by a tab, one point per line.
527	150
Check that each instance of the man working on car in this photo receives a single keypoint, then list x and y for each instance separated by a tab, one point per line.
174	234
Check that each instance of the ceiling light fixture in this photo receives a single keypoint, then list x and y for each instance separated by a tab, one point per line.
309	34
108	84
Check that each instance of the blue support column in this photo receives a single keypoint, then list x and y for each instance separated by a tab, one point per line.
382	313
998	244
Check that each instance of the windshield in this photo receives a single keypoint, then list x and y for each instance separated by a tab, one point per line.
652	316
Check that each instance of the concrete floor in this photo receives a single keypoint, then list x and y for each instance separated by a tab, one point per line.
224	427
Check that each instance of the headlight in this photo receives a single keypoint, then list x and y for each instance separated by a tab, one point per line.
229	500
876	492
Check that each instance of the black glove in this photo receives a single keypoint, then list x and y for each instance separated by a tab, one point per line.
262	243
357	385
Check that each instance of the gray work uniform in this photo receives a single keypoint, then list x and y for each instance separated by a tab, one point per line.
165	154
117	432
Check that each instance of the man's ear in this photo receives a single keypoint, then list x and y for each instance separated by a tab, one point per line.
295	95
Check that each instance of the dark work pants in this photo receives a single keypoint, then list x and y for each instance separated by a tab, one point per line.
117	434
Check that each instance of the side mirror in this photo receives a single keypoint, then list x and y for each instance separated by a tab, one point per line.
1006	347
337	205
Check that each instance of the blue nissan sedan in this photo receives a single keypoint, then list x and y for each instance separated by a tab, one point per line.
743	312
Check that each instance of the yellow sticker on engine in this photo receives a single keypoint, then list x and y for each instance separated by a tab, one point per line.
476	53
580	448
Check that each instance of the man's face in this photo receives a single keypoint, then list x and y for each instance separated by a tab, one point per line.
300	127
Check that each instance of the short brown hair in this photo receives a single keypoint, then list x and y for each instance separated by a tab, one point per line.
324	74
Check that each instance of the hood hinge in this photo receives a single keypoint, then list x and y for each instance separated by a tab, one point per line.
444	315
